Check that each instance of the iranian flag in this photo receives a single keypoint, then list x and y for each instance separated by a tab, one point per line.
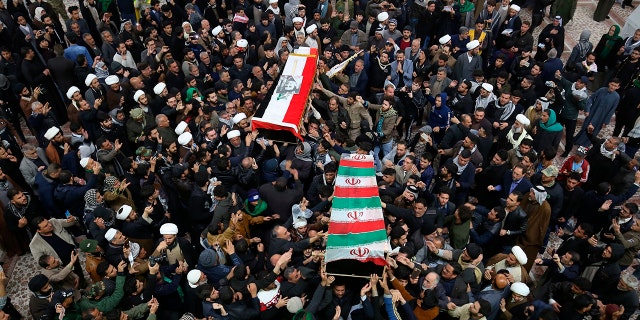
356	229
288	101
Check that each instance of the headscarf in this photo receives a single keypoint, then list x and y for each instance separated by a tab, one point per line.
552	124
545	104
610	41
110	183
38	14
584	46
90	202
186	34
190	93
540	194
306	152
468	6
279	45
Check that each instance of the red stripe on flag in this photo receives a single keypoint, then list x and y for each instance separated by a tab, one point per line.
298	101
378	261
354	192
356	164
356	227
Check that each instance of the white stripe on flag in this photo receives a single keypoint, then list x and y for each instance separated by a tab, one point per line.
357	252
279	104
355	215
355	181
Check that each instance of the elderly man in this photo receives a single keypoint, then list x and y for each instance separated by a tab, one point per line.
60	276
34	161
516	134
281	241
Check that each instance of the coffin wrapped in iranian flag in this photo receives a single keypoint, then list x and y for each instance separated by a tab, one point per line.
356	229
282	117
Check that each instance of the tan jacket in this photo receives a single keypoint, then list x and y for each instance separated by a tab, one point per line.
39	246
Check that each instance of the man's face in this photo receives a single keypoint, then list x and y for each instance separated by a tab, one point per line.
504	98
358	67
443	198
419	209
400	57
607	252
511	260
283	233
463	161
401	150
169	238
610	144
339	291
448	272
53	262
407	165
512	200
44	226
333	105
613	86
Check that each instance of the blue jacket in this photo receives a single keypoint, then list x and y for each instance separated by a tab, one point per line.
46	188
71	197
440	117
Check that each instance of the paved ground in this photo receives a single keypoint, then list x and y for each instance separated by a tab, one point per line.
21	269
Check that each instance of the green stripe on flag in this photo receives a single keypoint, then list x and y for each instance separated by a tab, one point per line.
352	171
351	239
358	203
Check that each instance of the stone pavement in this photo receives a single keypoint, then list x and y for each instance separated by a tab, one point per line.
21	269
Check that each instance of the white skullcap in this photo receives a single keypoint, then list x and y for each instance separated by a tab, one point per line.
311	28
233	134
168	228
123	212
111	80
523	119
185	138
239	117
110	234
216	31
487	86
297	19
84	162
193	277
444	39
180	128
382	16
243	43
52	132
273	1
520	288
158	88
520	255
473	44
89	78
71	91
300	222
515	7
137	95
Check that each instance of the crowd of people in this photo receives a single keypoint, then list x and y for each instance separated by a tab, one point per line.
158	200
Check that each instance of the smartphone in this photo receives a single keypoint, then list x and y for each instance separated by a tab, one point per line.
67	214
415	274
